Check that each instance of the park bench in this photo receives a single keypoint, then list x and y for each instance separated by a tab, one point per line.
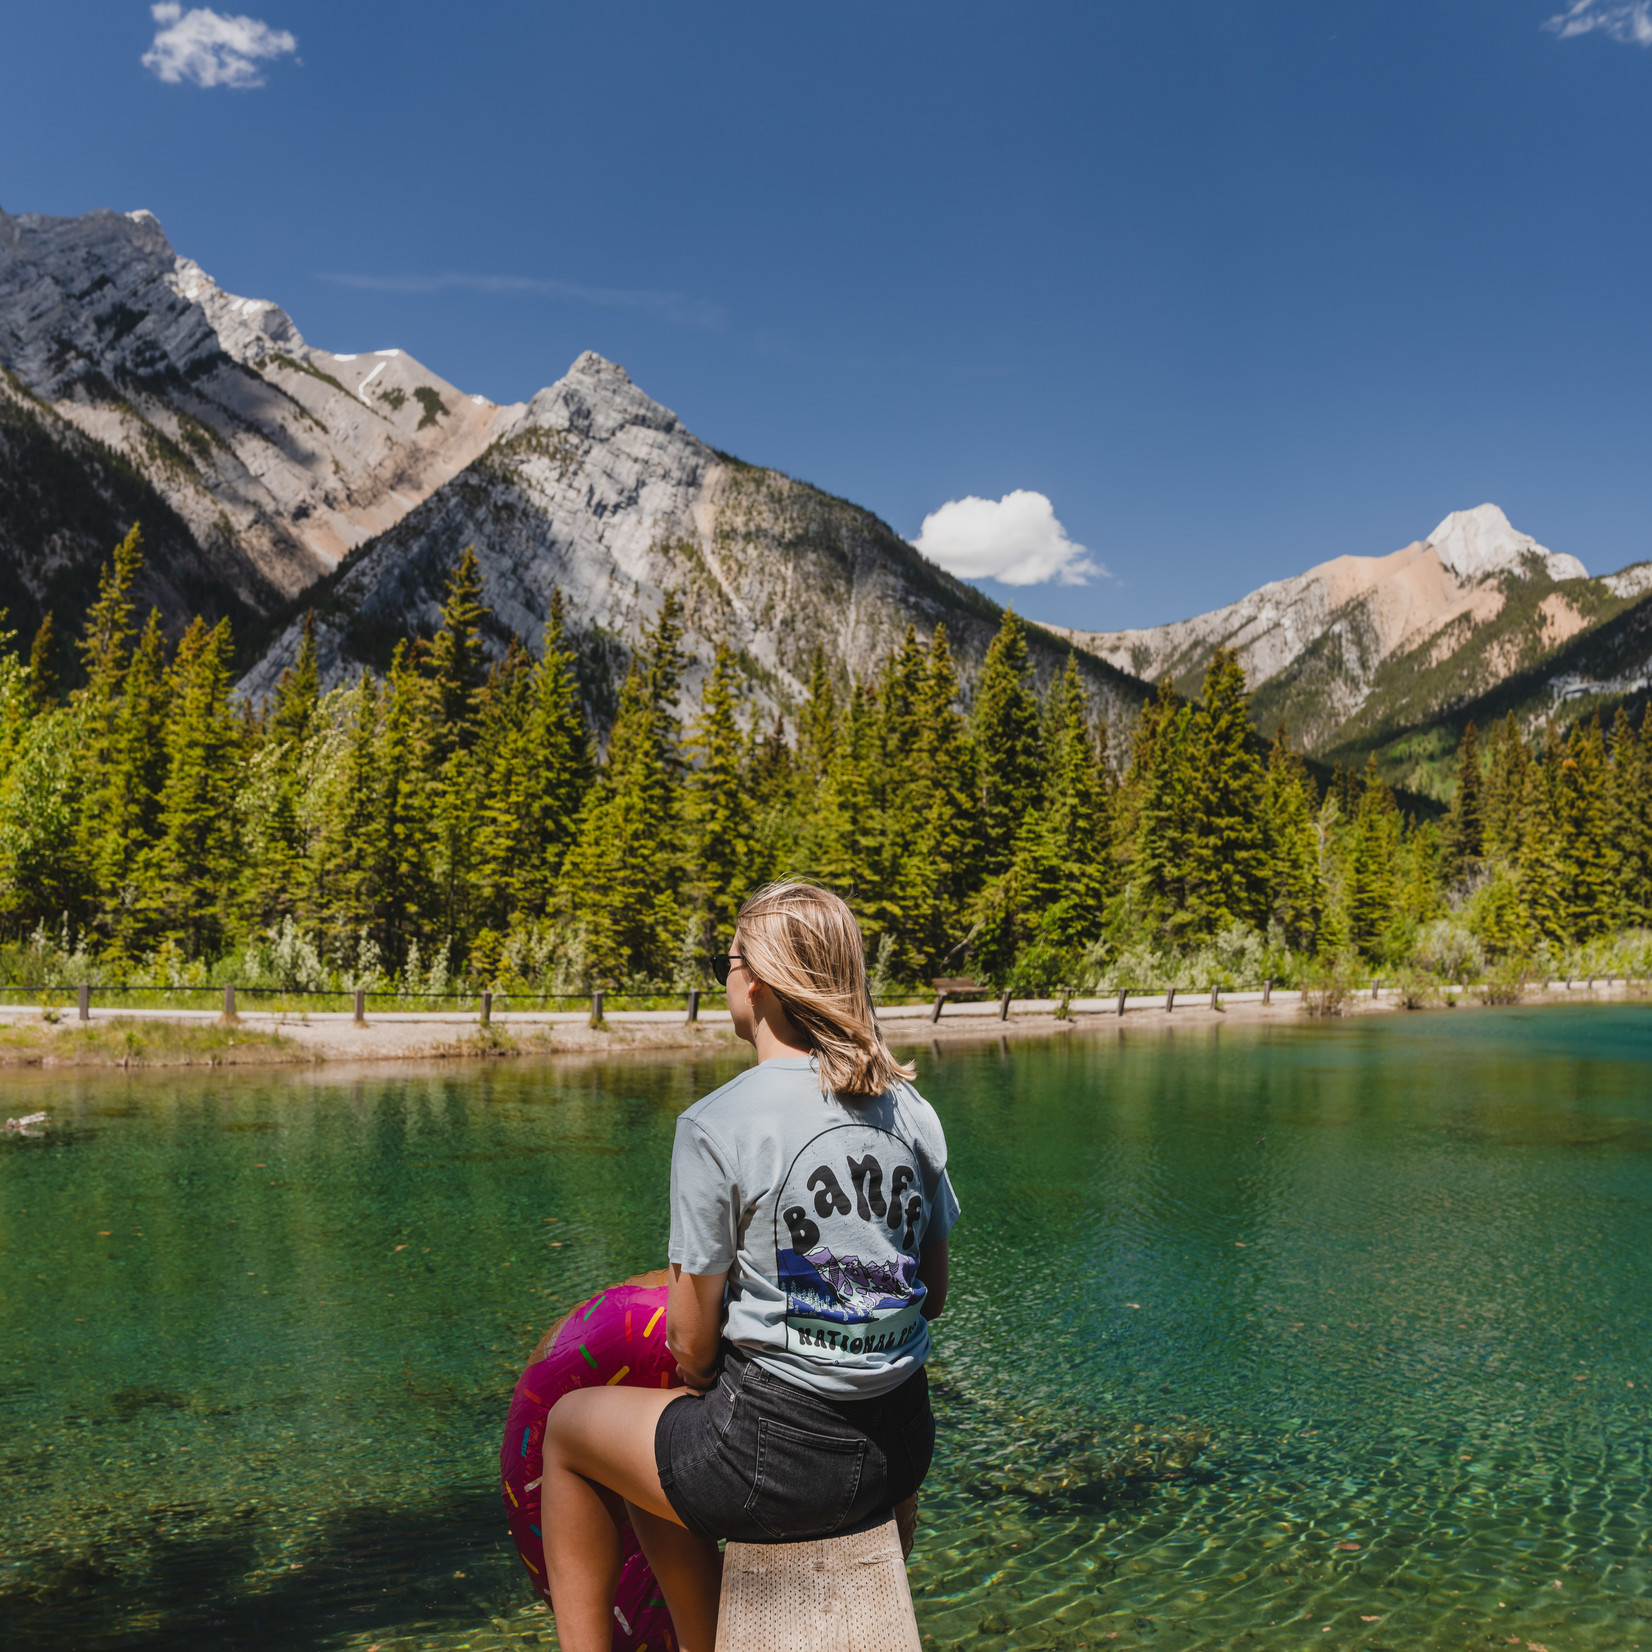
834	1594
953	986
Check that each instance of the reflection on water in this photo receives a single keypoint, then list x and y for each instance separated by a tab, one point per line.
1260	1339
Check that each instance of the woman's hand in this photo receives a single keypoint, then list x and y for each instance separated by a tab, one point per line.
694	1325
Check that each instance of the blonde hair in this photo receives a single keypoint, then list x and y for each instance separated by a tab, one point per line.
803	943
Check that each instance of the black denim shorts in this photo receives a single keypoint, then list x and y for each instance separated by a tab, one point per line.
760	1460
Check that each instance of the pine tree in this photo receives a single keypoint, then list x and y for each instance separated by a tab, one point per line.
457	663
1582	815
1068	836
190	877
1371	881
1503	798
936	879
778	795
347	889
1006	744
274	885
892	829
818	725
298	693
1630	816
1463	839
42	678
105	650
418	839
1295	881
127	816
1227	877
107	636
1161	777
842	845
506	779
719	810
624	870
1539	858
540	771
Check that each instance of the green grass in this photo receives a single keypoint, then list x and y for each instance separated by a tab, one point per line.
131	1043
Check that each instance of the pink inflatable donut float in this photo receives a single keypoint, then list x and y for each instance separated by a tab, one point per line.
616	1337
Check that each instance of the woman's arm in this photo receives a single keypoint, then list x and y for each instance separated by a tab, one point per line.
694	1324
932	1270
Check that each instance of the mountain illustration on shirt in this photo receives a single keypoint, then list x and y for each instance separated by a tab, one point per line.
846	1289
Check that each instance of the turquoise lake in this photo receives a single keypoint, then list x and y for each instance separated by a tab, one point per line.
1307	1336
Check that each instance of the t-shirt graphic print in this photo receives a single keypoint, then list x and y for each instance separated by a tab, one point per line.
846	1233
818	1210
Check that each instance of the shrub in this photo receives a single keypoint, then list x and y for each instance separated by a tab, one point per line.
1448	949
1417	989
283	957
1328	988
883	961
1505	982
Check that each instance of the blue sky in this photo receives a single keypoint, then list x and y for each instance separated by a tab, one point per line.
1234	287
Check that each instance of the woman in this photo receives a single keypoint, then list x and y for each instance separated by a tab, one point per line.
810	1209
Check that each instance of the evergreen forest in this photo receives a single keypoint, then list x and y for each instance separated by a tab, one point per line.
453	823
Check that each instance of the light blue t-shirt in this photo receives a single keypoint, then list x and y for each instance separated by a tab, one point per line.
816	1207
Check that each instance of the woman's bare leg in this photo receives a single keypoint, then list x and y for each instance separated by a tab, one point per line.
604	1438
689	1570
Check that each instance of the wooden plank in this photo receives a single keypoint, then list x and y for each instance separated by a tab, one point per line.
837	1594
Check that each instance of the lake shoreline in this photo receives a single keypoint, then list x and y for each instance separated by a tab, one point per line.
159	1038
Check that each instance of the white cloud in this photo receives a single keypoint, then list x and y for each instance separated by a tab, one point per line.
677	308
1627	20
1015	540
205	47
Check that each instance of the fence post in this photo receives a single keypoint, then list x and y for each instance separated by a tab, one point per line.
1124	992
1066	998
1170	1001
1267	991
1213	997
84	993
694	1003
935	1014
1376	987
361	1007
596	1008
229	1017
487	1008
1004	1005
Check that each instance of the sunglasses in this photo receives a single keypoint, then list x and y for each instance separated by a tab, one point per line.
720	962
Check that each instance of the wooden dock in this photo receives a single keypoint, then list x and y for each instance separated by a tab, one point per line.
837	1594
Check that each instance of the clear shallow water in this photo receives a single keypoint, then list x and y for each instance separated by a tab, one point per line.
1334	1337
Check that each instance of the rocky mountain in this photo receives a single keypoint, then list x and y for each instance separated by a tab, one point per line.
272	476
66	500
1364	654
599	491
273	459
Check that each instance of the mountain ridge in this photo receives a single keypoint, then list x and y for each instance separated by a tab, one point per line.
1356	649
291	477
252	436
599	491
